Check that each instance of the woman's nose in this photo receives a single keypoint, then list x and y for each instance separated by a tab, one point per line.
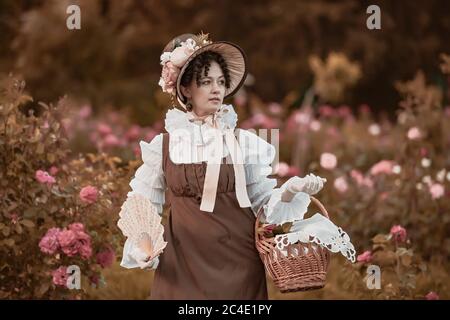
215	87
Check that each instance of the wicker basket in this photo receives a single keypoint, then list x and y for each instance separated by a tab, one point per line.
298	271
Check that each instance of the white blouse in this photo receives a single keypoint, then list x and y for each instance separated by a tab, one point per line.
185	136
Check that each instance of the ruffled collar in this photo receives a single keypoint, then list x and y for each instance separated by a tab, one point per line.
176	119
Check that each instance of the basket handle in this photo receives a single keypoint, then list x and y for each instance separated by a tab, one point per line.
313	199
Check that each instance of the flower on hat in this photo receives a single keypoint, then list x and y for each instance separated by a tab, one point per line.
180	54
169	77
173	61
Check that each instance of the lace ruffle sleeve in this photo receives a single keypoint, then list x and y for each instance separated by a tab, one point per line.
148	181
258	157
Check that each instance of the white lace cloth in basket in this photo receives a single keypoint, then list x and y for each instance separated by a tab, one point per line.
321	231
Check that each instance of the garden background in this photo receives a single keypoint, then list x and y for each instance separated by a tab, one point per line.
367	109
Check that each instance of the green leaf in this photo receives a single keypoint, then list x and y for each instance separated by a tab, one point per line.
40	148
30	212
40	291
27	223
19	229
380	238
6	230
9	242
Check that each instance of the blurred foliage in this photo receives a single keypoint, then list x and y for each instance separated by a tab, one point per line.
114	58
375	195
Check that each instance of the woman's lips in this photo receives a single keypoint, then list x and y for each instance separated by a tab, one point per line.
215	100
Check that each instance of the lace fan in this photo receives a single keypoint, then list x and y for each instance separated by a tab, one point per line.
139	217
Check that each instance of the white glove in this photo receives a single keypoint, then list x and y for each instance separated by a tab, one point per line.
142	259
310	184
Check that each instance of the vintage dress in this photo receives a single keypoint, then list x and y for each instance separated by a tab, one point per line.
210	255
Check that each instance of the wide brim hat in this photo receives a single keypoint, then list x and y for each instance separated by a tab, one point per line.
233	55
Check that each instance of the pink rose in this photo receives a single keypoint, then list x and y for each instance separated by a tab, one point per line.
315	125
94	279
106	257
14	218
414	133
85	111
423	152
432	296
169	77
180	55
275	108
399	233
114	117
341	184
89	194
77	227
326	111
293	171
332	131
49	243
74	240
364	109
44	177
384	166
281	169
368	182
133	133
447	111
357	176
365	257
360	179
104	129
302	117
84	241
344	112
263	121
53	170
328	161
150	134
240	100
137	151
111	140
437	190
383	196
60	276
68	242
85	250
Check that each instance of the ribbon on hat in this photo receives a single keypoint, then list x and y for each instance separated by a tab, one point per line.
214	162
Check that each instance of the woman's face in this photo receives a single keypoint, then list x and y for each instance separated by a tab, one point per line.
208	97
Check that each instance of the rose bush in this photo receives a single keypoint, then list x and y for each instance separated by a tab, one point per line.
57	207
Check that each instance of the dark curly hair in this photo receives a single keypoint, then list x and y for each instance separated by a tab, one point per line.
203	62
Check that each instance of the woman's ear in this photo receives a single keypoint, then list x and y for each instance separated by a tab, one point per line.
185	91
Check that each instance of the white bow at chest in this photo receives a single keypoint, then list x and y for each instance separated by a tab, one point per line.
209	138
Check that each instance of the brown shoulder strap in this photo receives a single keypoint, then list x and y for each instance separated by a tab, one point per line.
165	150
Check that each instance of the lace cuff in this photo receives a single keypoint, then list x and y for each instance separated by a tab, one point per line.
133	257
278	212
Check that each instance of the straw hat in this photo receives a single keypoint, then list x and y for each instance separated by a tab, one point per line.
181	50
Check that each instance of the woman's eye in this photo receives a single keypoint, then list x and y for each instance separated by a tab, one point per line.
205	82
221	82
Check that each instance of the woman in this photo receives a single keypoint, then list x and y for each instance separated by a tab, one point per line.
216	177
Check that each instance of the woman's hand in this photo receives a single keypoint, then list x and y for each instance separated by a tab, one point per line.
310	184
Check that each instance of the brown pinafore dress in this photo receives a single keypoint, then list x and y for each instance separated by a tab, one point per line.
209	255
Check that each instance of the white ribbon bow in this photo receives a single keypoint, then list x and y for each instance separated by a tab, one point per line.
215	160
